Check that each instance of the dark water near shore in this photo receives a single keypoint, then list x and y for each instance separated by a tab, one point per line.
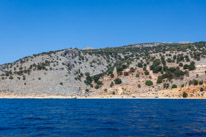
64	117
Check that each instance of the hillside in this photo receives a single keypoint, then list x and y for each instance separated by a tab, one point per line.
142	70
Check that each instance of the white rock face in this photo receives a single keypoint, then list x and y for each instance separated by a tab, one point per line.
60	74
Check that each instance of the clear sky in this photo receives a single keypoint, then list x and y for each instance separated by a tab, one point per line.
34	26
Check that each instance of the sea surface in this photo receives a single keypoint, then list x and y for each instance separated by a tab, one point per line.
103	117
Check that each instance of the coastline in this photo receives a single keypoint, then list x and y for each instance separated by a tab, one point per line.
89	97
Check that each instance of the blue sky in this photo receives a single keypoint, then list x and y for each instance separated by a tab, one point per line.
34	26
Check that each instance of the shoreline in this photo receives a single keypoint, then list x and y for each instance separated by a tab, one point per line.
88	97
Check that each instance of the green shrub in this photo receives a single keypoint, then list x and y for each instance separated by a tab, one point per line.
11	77
126	73
88	81
195	82
159	80
96	78
97	86
166	85
99	83
132	70
178	73
112	75
124	66
24	77
137	75
120	68
146	72
184	95
112	84
140	65
155	66
157	69
119	72
7	74
118	81
200	82
149	83
191	66
167	75
181	65
185	66
174	86
201	89
169	60
87	74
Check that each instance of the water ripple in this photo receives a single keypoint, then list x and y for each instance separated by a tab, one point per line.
56	117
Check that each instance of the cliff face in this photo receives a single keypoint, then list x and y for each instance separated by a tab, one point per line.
117	71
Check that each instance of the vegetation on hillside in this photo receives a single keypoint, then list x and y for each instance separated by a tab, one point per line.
154	65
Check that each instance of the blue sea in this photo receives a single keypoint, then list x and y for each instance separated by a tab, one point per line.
102	117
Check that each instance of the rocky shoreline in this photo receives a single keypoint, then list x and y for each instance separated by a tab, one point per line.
91	97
